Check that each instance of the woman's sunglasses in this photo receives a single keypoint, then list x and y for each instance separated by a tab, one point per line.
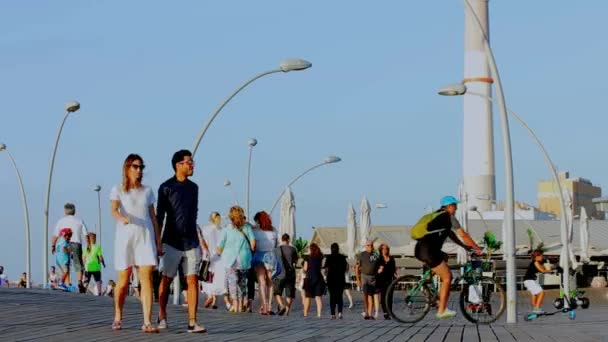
138	167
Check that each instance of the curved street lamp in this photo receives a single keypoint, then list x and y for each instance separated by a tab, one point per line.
509	212
26	216
252	143
285	66
70	108
461	89
97	189
326	161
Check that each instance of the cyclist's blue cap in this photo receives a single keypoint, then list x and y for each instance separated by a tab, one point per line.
447	200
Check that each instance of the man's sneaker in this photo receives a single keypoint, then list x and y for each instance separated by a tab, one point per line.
196	329
446	314
538	311
162	324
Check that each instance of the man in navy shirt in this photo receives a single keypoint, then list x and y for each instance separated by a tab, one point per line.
178	203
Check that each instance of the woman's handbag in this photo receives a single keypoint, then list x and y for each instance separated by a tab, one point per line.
203	271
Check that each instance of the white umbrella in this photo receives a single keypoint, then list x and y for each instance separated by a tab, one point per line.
584	231
461	254
365	227
288	214
351	232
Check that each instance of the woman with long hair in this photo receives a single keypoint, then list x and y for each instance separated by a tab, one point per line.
314	284
335	267
264	260
216	286
137	239
93	259
387	271
236	245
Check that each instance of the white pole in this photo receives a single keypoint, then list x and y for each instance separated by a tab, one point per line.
252	143
555	175
45	241
509	213
99	213
26	218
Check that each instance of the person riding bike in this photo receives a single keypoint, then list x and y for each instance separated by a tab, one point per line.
428	248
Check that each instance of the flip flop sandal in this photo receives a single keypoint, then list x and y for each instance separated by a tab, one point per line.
116	325
149	329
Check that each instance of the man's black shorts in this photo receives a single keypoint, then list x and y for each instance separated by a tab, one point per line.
430	255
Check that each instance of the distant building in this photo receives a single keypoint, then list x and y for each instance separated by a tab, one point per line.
581	190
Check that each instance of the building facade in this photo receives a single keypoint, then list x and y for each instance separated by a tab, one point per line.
580	190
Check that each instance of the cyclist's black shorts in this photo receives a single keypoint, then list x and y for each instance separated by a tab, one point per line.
429	254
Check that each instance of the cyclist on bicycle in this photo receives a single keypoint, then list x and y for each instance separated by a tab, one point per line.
428	249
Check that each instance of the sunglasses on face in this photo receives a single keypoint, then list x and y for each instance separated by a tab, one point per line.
138	166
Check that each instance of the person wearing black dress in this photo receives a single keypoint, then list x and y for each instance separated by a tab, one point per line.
387	271
335	266
314	284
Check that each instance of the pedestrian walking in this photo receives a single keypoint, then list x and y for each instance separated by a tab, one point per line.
79	233
137	238
335	267
236	245
178	204
314	284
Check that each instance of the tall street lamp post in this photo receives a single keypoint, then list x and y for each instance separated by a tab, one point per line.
252	143
97	189
70	107
26	216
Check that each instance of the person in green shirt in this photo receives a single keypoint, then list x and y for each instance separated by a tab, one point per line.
93	260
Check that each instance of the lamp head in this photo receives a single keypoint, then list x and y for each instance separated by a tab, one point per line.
332	159
453	90
97	188
294	65
252	142
227	183
72	106
2	147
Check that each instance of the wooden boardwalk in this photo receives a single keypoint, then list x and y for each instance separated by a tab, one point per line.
39	315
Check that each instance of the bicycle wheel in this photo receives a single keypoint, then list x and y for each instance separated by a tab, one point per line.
482	301
407	299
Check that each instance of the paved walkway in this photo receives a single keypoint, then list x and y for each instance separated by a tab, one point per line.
32	315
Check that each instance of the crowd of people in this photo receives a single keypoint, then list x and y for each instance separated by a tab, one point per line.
157	239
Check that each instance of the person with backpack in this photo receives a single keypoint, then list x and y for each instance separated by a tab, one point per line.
431	231
285	280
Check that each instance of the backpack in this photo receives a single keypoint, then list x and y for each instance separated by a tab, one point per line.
420	229
279	270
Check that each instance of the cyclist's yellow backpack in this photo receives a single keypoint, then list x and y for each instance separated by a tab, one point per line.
420	229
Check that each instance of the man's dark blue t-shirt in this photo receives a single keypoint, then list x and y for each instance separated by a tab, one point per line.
178	201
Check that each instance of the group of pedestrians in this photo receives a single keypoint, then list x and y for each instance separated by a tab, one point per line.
158	234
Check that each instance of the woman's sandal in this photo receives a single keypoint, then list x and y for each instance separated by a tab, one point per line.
149	329
116	325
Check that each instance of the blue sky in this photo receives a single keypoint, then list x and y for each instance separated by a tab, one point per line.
148	73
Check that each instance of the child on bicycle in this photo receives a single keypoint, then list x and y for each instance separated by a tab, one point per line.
531	282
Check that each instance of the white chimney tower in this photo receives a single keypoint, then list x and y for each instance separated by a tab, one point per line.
478	144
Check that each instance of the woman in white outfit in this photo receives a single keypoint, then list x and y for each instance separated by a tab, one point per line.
217	284
137	240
